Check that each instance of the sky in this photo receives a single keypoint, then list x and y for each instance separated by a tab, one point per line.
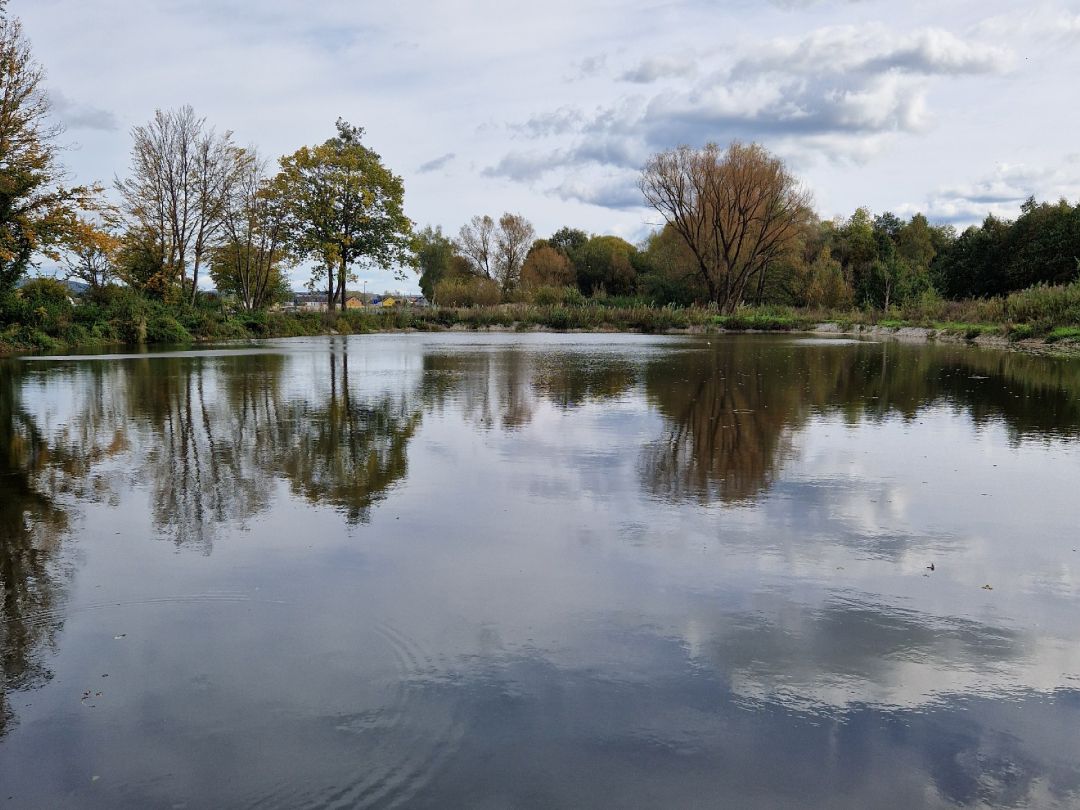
954	108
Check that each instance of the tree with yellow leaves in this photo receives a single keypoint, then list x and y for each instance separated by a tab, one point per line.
35	208
89	252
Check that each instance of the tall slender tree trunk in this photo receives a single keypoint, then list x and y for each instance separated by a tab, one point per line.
342	269
195	280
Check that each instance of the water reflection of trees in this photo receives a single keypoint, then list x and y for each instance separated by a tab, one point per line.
729	412
344	449
31	526
731	409
502	389
219	431
210	437
205	436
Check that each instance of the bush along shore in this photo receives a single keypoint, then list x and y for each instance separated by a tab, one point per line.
44	317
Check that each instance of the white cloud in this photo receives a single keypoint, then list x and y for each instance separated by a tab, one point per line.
873	103
654	68
1045	20
836	91
874	48
1002	191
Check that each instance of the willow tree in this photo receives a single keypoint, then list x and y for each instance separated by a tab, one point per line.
345	208
36	211
738	210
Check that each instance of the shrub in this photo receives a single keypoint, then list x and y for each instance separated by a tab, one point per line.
467	292
1020	331
166	329
45	292
256	323
546	295
13	309
573	297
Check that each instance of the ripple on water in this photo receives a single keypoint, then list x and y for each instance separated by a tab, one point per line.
401	730
401	735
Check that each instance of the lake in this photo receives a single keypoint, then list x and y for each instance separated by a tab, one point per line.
541	571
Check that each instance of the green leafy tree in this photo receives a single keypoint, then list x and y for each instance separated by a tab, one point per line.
435	253
346	207
569	241
855	246
248	264
667	270
1044	244
915	244
821	283
888	226
605	262
977	263
888	280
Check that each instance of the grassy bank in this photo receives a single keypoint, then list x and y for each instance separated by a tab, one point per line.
42	317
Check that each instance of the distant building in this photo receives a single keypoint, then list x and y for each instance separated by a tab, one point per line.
315	302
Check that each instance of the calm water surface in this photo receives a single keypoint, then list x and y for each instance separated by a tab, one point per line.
538	572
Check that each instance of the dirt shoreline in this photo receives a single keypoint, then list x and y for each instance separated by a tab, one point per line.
900	334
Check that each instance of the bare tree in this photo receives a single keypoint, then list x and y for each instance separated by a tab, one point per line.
181	172
476	242
218	166
738	210
512	242
255	224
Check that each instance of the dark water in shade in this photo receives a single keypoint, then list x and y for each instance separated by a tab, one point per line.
539	572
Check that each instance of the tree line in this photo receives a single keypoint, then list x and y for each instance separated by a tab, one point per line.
739	230
194	202
738	227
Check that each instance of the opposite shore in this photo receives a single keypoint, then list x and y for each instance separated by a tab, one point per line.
96	326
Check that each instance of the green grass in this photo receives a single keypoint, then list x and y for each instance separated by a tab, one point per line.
1069	333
